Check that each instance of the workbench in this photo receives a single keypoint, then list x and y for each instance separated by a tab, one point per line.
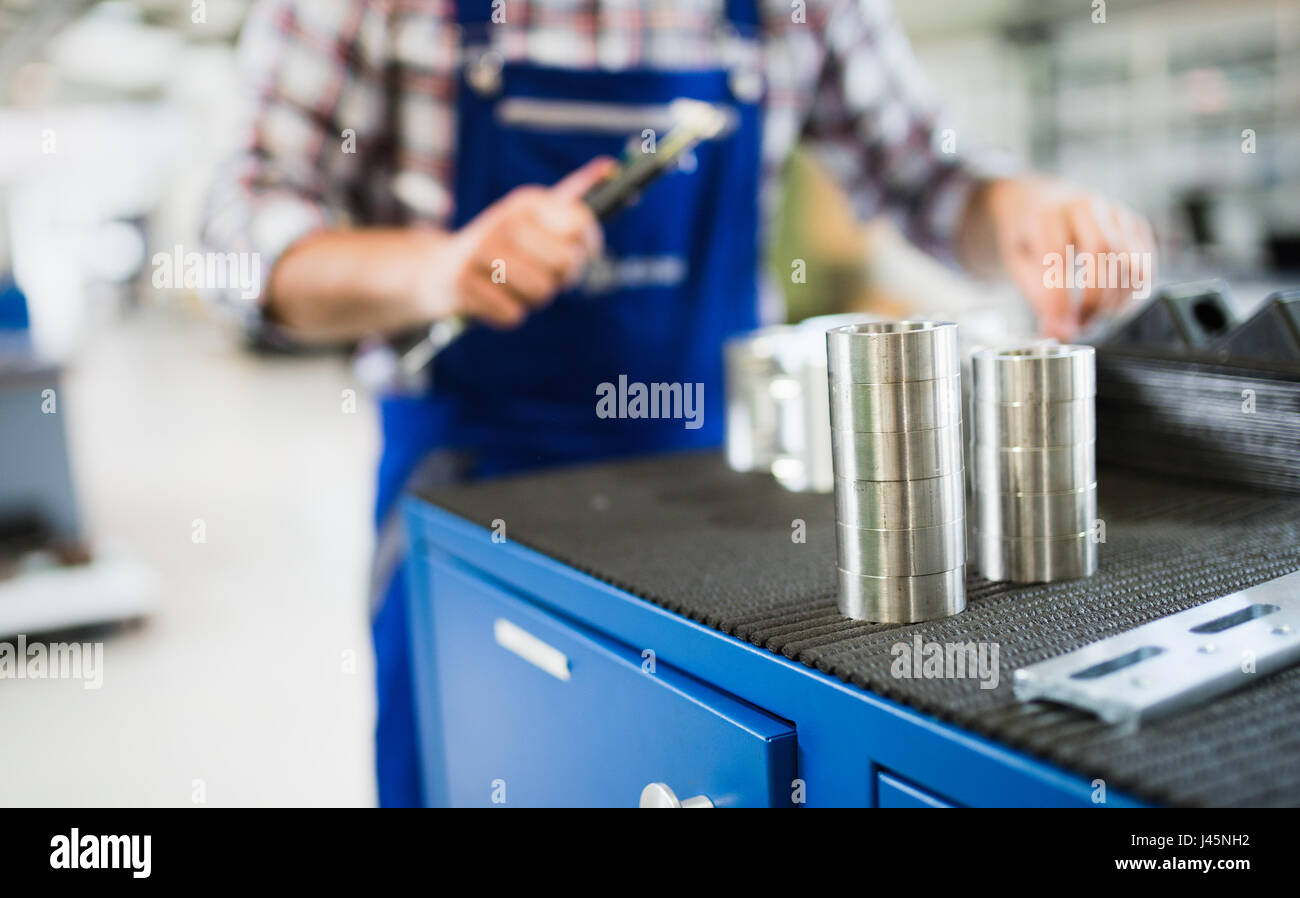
579	634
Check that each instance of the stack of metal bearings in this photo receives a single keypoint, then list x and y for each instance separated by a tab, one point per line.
896	443
1035	463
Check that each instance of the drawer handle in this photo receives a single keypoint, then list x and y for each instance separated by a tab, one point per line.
659	795
514	638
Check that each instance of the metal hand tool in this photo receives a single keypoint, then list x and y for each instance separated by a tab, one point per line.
695	121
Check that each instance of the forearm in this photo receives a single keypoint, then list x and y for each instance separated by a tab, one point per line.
976	241
341	285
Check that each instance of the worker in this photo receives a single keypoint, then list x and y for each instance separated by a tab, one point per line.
410	161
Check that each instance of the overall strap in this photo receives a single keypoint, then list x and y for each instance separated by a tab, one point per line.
741	13
473	12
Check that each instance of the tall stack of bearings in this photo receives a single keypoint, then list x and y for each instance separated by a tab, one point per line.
1035	463
896	444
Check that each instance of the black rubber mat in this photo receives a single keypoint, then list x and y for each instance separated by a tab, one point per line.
1231	423
686	533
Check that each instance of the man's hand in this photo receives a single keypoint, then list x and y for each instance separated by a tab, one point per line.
517	254
1026	225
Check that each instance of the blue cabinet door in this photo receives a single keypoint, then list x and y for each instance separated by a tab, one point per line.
527	709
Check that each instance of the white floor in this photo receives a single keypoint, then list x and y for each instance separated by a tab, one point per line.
252	685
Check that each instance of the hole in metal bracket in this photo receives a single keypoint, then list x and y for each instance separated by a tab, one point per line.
1228	621
1126	660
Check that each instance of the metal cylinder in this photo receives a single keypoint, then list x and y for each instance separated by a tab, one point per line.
1034	463
1039	515
899	504
1020	470
912	552
763	415
910	455
778	417
896	449
902	600
1038	425
896	407
1033	560
887	352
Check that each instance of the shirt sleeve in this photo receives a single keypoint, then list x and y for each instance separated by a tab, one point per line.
874	123
314	109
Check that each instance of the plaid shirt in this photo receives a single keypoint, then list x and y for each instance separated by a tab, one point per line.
384	74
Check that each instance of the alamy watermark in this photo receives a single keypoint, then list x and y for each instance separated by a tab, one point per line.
946	661
76	851
634	399
208	271
1086	271
21	660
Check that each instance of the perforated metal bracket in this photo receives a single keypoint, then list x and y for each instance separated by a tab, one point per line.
1177	661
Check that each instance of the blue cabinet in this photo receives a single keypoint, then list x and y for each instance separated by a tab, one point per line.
539	711
532	687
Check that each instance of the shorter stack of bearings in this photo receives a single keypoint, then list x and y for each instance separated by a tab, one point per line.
896	443
1034	456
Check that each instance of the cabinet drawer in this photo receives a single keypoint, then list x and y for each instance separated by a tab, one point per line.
533	710
895	792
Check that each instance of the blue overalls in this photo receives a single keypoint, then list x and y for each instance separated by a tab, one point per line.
681	277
